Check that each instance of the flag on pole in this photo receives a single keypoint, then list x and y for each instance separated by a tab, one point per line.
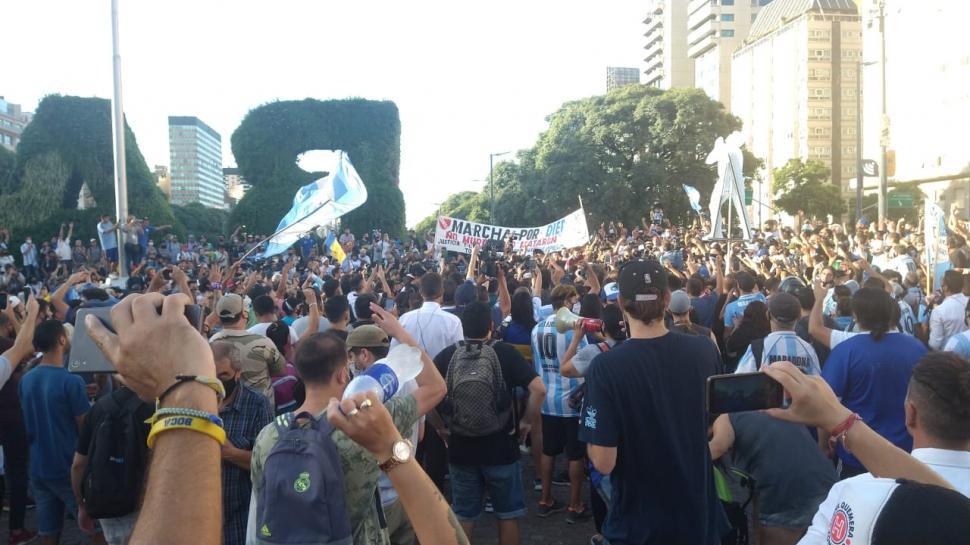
332	247
320	201
694	196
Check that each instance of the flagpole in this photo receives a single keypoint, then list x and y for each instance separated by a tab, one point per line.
118	129
310	213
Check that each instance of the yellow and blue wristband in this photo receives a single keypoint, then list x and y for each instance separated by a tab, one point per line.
186	422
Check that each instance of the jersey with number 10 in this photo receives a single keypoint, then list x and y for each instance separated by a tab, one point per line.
548	346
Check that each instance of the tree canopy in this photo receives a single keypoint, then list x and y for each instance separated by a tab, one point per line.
805	187
271	136
620	152
69	143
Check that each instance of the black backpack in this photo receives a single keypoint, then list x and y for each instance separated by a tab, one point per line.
478	402
117	457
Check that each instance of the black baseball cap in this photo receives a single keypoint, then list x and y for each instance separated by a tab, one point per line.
638	276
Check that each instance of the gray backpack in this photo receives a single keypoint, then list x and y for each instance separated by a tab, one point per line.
302	500
478	402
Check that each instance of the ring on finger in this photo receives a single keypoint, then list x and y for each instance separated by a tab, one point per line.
366	404
353	412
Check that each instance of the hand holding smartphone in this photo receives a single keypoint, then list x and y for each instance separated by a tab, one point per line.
742	392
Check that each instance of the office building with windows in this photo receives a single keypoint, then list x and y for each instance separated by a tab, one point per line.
195	152
618	76
13	120
715	30
927	96
236	186
794	87
667	64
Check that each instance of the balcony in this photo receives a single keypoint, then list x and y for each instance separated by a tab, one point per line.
654	49
652	24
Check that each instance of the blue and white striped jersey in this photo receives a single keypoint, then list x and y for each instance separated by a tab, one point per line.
782	346
959	343
548	345
907	319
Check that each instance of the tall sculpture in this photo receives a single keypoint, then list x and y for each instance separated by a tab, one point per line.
729	187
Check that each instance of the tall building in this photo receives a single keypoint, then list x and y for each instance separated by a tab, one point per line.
667	64
927	96
794	87
716	29
236	186
163	180
13	120
618	76
195	152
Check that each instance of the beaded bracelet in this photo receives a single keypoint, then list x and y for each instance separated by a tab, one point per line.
212	383
200	425
177	411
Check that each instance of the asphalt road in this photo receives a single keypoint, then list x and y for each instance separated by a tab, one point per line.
534	530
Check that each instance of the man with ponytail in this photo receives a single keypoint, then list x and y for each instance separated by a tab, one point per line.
870	372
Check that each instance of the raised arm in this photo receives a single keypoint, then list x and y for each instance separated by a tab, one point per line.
153	344
592	279
431	387
816	325
23	345
814	403
472	265
57	298
313	315
504	299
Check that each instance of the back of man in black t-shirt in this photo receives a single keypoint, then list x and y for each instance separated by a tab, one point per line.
645	421
492	461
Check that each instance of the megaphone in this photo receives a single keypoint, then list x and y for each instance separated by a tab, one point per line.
566	321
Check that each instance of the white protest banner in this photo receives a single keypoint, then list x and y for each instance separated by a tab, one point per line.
937	252
461	236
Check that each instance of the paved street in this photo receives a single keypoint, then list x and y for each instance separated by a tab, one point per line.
535	530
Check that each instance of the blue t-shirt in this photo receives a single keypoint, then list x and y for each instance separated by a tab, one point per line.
735	309
871	377
704	306
517	334
645	397
51	400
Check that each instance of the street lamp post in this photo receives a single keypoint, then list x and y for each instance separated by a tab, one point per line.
118	130
858	143
491	184
884	122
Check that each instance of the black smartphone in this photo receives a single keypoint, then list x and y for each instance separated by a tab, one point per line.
86	357
743	392
3	301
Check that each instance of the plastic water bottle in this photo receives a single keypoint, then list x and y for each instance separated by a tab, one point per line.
386	375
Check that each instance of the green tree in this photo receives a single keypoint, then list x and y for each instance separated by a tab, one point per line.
201	220
619	153
805	187
271	136
466	205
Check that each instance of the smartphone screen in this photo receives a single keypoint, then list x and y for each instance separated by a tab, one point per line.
743	392
86	357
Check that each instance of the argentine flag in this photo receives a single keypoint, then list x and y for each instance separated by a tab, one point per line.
321	201
694	196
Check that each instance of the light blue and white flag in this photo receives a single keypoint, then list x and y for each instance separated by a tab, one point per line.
320	201
694	196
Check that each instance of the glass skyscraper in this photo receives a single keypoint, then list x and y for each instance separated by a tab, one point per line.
195	152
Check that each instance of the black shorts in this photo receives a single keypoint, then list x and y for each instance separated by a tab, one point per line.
561	433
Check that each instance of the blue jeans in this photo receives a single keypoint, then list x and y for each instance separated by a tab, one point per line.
504	485
53	498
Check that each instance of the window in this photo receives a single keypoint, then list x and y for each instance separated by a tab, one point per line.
727	17
753	17
727	2
727	33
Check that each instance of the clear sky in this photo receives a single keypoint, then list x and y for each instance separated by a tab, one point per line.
469	78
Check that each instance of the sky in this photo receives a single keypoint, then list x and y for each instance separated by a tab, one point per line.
469	78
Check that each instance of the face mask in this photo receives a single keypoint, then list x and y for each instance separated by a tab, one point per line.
230	386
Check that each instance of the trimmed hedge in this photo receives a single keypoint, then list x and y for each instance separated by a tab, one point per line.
271	136
69	143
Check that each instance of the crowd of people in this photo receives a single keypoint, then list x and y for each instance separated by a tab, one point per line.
591	359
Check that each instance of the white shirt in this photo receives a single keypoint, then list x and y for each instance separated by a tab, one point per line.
260	329
947	320
782	346
952	465
433	328
63	249
300	324
5	370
